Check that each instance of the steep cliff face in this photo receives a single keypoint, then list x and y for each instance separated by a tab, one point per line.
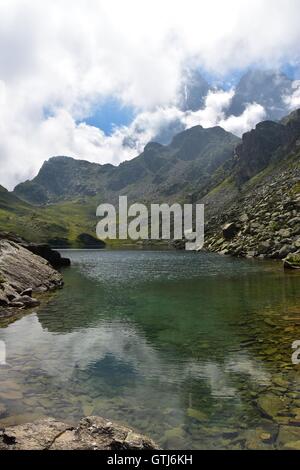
268	143
257	149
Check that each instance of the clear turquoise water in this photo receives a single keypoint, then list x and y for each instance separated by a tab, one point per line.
178	345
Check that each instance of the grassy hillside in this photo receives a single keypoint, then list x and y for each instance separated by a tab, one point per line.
58	224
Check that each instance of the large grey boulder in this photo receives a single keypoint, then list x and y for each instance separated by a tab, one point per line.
21	274
39	249
92	433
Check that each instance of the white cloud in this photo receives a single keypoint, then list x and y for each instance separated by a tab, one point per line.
238	125
216	104
61	135
214	114
293	101
63	57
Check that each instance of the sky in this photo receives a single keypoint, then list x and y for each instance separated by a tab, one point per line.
97	80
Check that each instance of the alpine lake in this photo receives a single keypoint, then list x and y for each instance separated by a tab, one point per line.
193	350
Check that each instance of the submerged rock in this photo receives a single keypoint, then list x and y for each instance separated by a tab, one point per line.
174	438
292	261
271	405
258	439
196	414
289	437
92	433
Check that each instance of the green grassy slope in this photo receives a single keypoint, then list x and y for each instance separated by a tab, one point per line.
59	224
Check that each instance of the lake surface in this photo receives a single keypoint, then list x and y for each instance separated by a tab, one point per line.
183	347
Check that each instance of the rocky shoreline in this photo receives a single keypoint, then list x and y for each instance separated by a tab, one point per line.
23	274
25	270
92	433
263	224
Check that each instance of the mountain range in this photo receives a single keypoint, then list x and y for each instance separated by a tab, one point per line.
232	176
159	173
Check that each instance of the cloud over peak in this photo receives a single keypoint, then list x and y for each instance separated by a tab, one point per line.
59	59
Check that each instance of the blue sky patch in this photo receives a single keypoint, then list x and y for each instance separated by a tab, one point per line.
110	114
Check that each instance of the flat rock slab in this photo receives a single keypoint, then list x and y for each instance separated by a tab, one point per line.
92	433
271	405
23	273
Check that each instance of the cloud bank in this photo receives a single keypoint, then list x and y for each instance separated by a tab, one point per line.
61	58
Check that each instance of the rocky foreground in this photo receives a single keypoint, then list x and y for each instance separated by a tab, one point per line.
92	433
23	274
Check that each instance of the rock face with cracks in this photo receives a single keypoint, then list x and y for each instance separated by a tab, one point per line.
21	274
92	433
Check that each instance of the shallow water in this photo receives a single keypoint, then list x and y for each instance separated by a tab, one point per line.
181	346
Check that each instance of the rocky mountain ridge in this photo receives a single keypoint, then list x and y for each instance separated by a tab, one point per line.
160	172
258	213
245	183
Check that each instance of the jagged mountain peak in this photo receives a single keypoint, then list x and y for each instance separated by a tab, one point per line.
153	147
212	165
65	160
268	88
267	142
191	157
